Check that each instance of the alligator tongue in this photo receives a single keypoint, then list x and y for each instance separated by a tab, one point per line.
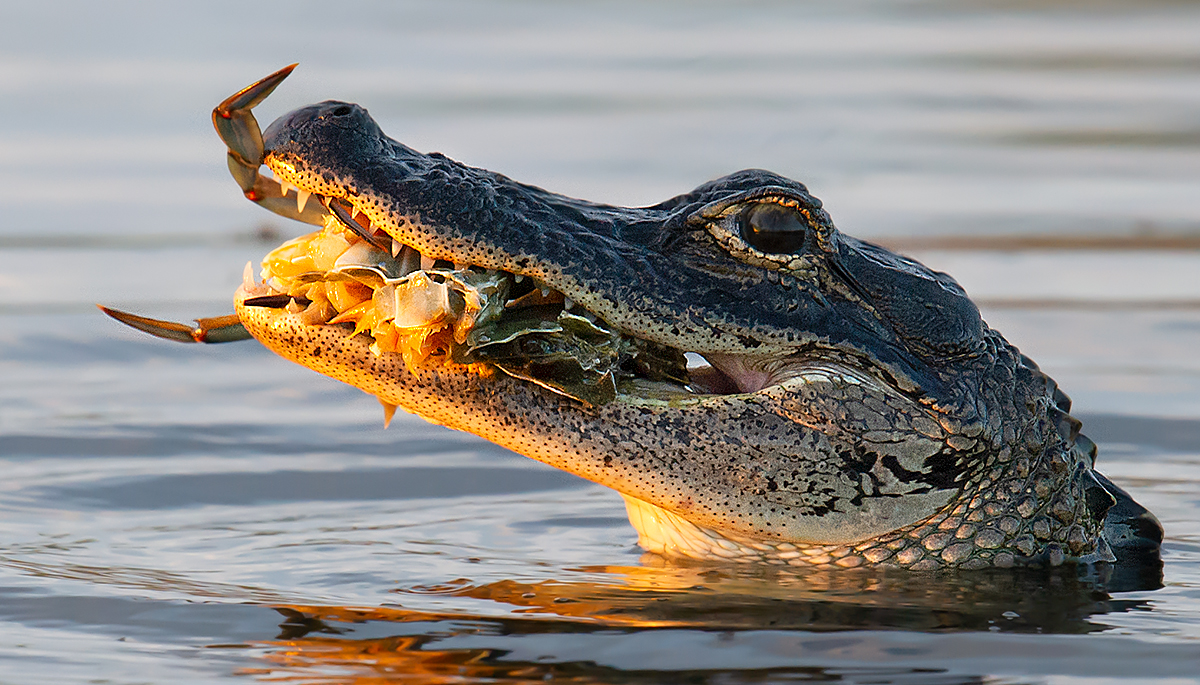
737	371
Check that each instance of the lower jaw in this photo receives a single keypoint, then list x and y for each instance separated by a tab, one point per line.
526	419
447	395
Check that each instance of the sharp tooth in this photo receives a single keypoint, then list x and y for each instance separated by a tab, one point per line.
301	199
517	278
284	187
545	292
248	277
567	304
389	410
397	247
409	260
427	263
458	266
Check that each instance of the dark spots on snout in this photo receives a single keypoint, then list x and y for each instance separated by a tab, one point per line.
748	342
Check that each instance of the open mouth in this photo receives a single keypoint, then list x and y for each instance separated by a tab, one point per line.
435	312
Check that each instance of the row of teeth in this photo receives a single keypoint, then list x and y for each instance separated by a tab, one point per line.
427	263
301	195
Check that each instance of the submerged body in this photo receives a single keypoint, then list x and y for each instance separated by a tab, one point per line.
854	408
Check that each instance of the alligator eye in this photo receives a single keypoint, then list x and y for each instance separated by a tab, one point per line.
773	228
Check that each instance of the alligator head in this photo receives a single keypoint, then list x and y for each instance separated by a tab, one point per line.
756	384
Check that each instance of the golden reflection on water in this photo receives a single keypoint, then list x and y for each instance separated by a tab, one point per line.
394	659
318	643
381	660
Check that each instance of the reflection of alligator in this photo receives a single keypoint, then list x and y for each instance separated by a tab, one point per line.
855	409
808	620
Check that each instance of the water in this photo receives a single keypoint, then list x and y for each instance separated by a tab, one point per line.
190	514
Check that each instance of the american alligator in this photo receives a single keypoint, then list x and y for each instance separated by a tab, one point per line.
854	409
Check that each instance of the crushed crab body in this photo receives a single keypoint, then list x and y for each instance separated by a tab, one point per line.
434	312
405	302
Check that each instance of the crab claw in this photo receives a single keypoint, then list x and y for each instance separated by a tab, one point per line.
216	329
238	128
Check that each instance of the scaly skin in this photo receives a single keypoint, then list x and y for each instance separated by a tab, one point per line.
860	412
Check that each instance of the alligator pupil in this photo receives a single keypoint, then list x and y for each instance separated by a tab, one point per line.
772	228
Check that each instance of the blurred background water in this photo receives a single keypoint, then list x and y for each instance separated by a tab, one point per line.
169	513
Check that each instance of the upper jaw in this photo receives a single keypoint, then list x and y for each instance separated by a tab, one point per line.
444	210
486	316
399	202
611	260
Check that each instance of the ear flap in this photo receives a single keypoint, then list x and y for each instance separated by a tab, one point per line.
927	309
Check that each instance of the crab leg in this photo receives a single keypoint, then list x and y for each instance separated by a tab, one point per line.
236	125
215	329
347	219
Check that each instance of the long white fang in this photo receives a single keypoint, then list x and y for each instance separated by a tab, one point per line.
301	199
517	278
248	277
427	263
284	187
397	246
545	292
567	304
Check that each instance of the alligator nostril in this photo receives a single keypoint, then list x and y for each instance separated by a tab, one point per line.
341	111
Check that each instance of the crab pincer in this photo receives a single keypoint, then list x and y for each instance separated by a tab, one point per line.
215	329
237	127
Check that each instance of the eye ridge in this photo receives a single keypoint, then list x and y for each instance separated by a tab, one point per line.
775	227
